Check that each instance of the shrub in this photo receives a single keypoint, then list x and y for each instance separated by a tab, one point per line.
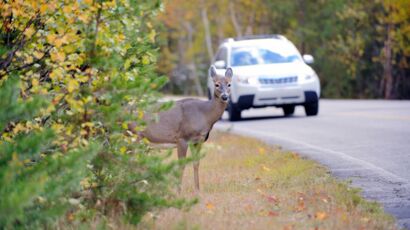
85	69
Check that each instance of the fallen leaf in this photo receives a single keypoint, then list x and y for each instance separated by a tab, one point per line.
262	151
272	213
288	227
365	219
320	215
272	199
70	217
301	205
263	212
266	168
210	206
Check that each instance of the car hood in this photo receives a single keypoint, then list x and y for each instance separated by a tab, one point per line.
273	70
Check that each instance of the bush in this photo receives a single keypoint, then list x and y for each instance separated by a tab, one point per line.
76	73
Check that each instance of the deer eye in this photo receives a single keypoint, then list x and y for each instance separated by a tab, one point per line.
217	85
229	85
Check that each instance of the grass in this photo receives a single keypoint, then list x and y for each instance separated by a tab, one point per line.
246	184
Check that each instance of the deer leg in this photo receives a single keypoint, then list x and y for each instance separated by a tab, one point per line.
195	150
182	147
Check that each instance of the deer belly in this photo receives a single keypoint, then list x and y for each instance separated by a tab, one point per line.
199	137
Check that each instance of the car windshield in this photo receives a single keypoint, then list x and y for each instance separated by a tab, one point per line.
252	55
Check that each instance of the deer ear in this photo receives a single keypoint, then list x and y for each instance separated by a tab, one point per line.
229	73
212	71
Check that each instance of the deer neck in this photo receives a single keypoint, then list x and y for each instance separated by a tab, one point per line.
215	109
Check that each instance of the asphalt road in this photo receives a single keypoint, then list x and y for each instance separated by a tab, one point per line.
365	141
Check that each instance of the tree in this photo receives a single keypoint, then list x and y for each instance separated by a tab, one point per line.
94	63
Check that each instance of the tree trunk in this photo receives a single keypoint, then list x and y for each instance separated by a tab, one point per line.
208	38
250	26
191	66
234	20
301	21
387	65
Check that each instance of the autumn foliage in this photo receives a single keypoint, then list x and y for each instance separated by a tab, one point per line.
72	75
361	48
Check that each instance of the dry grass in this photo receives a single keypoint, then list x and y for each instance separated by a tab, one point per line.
249	185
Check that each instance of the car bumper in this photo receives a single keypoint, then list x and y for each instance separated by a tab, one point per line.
256	96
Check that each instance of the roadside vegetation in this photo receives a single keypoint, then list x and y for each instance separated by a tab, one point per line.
73	74
247	184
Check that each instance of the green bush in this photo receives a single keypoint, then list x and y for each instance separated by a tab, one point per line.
75	73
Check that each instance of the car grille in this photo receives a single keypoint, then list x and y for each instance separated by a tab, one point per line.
278	81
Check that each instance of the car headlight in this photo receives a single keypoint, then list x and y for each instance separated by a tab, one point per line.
247	80
309	77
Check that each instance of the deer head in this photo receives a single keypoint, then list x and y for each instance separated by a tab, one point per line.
222	85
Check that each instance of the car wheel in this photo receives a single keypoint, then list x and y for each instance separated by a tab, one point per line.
288	110
234	112
312	108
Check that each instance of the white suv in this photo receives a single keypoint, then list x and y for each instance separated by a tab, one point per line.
268	71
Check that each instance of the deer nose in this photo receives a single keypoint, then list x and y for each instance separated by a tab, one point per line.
224	97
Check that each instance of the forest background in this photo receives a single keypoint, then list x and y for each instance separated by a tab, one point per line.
361	48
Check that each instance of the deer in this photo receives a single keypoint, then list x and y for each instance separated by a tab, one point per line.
189	121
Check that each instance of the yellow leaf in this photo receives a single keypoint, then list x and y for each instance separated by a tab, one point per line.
67	9
88	2
29	32
84	18
123	149
140	114
37	54
151	36
85	183
58	42
43	8
57	74
19	127
262	151
34	82
320	215
210	206
51	38
57	56
266	168
72	85
145	60
29	59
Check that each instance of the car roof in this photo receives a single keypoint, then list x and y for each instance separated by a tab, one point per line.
253	40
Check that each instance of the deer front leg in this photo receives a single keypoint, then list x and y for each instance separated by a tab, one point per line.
195	150
182	147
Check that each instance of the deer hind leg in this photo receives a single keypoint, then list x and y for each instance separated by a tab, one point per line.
195	151
182	147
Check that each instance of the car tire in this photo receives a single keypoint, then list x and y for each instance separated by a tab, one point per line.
312	108
234	112
288	110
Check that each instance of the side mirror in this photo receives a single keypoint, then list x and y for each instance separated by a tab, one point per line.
220	64
308	59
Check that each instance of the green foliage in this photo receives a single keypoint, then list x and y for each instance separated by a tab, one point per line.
86	69
33	180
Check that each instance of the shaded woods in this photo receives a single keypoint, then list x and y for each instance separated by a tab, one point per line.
362	48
